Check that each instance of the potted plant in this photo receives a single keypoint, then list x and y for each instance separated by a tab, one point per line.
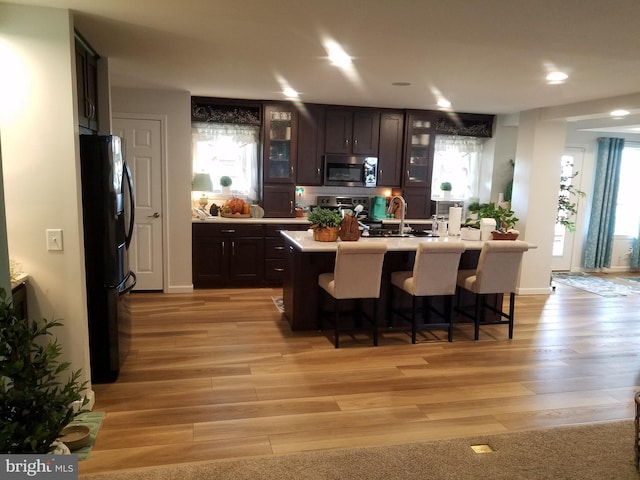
325	224
446	189
225	183
38	397
505	219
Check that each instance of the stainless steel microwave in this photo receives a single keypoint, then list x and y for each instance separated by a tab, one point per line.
350	170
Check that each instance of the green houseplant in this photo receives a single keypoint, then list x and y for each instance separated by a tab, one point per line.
225	181
325	223
36	402
446	186
505	217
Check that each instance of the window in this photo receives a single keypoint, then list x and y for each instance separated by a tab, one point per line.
457	161
627	211
227	150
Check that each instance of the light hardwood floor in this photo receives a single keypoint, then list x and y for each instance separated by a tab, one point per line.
219	374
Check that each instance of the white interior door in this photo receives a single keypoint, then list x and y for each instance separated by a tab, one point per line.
563	242
143	150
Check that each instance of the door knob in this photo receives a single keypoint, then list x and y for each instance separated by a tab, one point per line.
155	215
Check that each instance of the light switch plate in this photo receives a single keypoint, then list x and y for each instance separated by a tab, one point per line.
54	239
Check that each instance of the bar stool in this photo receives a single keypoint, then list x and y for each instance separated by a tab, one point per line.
357	275
434	274
497	273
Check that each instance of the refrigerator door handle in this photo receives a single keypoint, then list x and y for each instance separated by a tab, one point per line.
132	205
123	287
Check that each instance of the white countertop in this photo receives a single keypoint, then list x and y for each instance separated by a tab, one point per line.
300	220
304	242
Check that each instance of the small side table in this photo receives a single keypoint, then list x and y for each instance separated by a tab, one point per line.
637	439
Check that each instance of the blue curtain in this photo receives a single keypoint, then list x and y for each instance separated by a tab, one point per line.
599	242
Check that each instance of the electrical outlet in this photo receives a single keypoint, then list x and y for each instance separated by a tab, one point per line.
54	239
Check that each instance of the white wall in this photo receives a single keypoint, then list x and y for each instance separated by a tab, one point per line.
176	107
535	195
41	167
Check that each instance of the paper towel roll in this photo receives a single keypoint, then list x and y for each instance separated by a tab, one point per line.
455	220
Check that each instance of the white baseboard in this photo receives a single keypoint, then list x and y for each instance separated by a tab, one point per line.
180	289
534	291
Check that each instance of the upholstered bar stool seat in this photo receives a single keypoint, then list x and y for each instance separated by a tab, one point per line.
434	274
497	273
357	275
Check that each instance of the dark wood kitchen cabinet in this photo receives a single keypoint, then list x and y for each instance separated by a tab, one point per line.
278	200
390	152
418	163
227	255
279	159
275	261
86	84
352	131
280	147
310	145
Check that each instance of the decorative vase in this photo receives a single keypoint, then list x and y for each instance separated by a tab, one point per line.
326	234
349	230
446	194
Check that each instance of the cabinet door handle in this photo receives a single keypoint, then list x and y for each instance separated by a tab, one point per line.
278	248
408	176
355	143
278	269
233	248
346	142
230	230
222	243
318	174
290	206
291	170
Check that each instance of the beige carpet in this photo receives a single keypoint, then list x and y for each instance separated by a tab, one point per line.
589	452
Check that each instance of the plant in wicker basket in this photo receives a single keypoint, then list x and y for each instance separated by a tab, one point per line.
325	223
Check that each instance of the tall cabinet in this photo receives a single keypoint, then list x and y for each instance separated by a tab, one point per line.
279	159
310	140
418	163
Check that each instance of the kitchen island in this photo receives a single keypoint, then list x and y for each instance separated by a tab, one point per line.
307	258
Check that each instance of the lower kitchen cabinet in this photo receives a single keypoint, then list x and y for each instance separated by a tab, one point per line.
227	255
275	261
237	255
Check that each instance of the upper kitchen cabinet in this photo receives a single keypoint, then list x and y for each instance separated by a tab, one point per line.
87	84
352	131
390	153
280	130
419	150
310	145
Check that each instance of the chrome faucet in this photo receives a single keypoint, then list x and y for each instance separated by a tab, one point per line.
403	210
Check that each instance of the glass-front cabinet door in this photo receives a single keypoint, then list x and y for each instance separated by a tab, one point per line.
419	153
280	128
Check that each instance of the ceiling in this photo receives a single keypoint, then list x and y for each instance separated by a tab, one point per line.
484	57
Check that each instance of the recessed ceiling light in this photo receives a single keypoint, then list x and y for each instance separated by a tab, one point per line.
400	84
619	113
556	77
337	55
290	93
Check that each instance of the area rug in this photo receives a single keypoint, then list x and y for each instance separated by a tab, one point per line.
586	452
598	285
93	420
277	301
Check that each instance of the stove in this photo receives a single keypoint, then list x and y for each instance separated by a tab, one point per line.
342	202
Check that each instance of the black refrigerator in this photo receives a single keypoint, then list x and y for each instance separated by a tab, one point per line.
108	218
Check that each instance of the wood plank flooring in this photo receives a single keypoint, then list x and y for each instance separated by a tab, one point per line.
219	374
